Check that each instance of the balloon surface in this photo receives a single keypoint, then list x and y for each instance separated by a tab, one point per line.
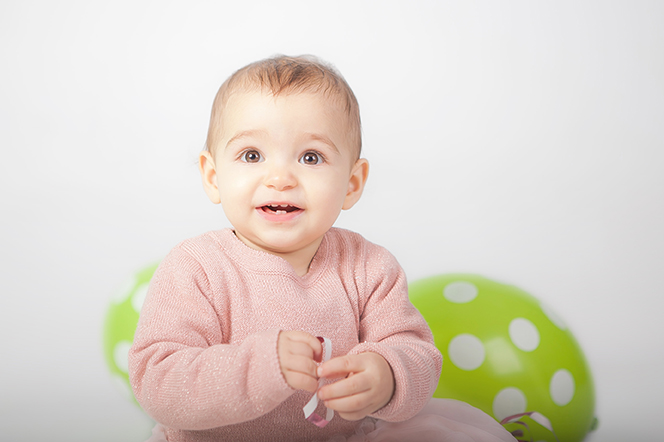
506	353
120	326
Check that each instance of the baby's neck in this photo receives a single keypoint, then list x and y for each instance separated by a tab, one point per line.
301	259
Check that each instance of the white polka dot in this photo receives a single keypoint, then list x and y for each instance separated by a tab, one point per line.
466	351
562	387
553	316
524	334
121	355
121	293
139	296
460	292
509	401
542	420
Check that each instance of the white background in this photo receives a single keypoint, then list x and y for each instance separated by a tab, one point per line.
520	140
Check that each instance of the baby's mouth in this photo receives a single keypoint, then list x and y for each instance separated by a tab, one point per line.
279	209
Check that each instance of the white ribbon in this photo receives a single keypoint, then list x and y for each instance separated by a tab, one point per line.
311	406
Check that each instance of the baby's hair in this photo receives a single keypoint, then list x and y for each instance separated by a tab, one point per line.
288	75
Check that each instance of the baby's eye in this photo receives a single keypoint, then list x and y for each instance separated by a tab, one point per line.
311	158
252	156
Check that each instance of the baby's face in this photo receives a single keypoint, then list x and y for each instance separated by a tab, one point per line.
284	169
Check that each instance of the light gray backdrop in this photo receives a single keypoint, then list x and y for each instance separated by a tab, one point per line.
520	140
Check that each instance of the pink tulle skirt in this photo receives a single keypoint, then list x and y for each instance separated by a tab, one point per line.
441	420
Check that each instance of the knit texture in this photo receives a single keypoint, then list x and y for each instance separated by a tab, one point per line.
204	361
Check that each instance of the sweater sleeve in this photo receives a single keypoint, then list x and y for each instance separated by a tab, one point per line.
182	370
392	327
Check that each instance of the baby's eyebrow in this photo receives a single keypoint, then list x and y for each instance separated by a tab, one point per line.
261	133
323	139
246	134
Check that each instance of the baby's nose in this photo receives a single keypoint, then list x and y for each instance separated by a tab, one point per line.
280	177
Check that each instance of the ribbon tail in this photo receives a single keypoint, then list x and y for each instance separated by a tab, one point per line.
311	406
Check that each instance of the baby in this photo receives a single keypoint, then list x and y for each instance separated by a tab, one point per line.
230	344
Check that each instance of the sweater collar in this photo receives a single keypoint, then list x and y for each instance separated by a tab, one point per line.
265	262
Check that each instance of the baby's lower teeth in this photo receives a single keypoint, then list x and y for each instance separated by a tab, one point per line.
280	212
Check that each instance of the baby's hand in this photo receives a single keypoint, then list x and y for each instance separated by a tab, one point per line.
298	352
367	387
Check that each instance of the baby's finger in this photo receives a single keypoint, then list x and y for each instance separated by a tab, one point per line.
352	407
300	349
301	381
307	339
350	386
299	364
340	367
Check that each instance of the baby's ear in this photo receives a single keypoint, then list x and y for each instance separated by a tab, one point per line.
356	182
209	176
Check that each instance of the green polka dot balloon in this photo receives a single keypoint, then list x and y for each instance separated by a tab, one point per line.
506	353
120	326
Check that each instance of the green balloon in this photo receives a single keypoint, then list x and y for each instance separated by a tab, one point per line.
506	353
120	326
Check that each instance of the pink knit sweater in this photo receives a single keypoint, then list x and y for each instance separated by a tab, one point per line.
204	361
